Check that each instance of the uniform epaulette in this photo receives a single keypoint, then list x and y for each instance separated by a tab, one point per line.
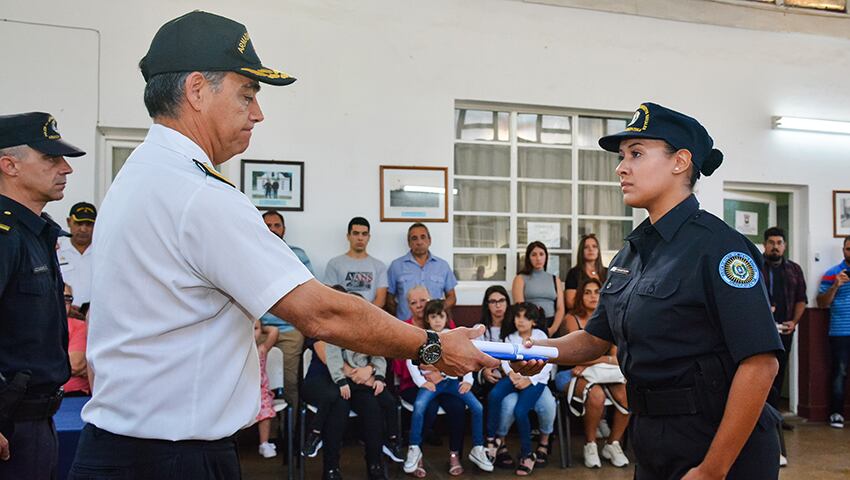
5	223
209	171
708	221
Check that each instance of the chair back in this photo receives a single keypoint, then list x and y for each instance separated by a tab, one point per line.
274	368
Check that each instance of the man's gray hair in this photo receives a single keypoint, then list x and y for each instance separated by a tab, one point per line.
164	91
16	151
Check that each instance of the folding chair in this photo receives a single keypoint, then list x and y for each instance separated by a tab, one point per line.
274	371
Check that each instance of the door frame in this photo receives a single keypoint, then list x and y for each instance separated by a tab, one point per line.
108	137
799	239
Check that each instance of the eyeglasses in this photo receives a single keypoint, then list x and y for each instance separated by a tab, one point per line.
496	302
69	299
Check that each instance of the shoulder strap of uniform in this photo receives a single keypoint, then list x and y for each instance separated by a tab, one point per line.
209	171
6	221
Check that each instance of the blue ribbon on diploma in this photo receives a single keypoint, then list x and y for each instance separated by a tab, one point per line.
511	352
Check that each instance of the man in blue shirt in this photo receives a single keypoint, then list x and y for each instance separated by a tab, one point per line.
289	340
419	267
835	295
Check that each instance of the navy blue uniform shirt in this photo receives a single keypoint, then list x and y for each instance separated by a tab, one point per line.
685	287
33	322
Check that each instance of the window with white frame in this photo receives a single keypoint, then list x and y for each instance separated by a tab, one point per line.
525	174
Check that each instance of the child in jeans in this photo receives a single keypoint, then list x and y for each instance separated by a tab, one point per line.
267	412
430	388
518	326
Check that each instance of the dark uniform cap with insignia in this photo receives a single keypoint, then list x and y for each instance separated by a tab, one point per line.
679	130
37	130
83	212
204	42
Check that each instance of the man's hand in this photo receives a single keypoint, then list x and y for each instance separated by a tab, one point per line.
378	386
790	326
464	387
4	448
345	392
459	354
429	386
842	278
362	375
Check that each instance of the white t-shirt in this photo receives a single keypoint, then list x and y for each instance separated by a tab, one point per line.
184	265
76	269
516	339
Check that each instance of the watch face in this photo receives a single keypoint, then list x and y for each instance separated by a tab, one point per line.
431	354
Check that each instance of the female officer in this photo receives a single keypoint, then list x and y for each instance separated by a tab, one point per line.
689	314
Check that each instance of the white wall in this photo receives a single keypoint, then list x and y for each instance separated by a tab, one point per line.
378	80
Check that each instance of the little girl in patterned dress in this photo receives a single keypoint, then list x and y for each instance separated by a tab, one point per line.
264	418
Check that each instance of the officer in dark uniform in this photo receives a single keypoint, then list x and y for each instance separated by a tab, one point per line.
33	326
688	311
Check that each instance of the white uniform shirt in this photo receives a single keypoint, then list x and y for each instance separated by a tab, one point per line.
183	267
76	269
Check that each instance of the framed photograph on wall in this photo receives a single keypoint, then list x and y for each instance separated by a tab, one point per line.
414	194
274	184
840	213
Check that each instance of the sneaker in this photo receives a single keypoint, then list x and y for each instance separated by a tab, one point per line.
267	450
613	452
591	456
603	430
414	455
392	448
783	461
312	445
478	456
836	420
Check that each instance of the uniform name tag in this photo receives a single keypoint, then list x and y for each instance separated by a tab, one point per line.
622	271
40	269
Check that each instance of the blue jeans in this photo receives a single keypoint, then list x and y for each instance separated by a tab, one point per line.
526	398
448	386
840	349
545	409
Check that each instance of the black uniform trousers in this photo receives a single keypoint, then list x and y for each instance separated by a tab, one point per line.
666	447
102	455
34	452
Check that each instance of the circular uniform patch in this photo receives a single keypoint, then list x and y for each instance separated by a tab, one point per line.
739	270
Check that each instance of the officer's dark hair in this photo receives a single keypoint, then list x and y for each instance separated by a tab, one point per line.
527	269
598	266
532	312
434	307
774	232
579	310
695	175
486	317
274	212
358	221
417	225
164	91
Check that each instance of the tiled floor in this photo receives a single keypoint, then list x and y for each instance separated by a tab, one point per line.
815	452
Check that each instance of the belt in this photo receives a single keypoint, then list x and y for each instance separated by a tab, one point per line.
37	408
663	402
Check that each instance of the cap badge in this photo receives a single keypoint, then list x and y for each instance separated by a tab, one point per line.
50	129
636	125
739	270
243	42
265	72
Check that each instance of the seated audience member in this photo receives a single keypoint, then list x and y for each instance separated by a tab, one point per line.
535	285
357	271
519	326
587	393
435	319
588	265
417	298
78	384
265	336
493	309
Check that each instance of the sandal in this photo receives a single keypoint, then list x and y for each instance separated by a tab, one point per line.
542	453
420	470
504	458
455	468
525	465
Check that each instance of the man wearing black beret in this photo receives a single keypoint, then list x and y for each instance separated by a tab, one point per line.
33	327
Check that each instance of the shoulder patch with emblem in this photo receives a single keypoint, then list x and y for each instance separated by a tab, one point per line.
211	172
739	270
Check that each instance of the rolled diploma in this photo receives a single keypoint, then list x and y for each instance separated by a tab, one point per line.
509	351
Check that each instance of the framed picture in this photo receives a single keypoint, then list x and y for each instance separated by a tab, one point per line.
414	194
273	184
840	213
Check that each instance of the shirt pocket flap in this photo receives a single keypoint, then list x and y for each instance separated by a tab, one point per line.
657	287
616	282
